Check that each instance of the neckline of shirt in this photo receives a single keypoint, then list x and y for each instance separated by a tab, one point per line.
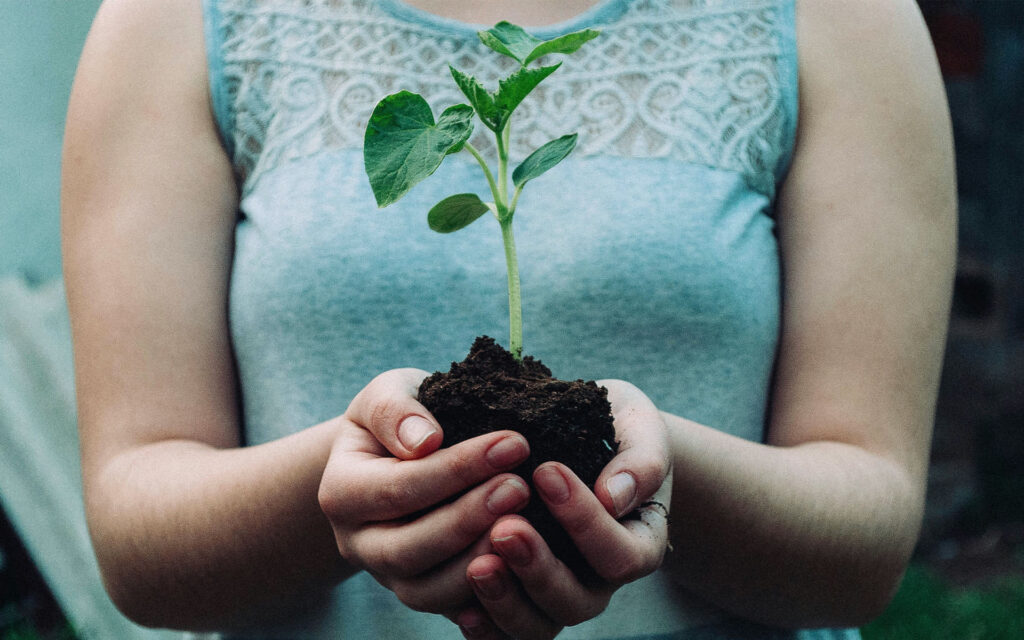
603	11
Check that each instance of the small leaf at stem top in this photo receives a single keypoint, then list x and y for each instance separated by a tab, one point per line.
403	145
456	212
510	40
547	156
513	41
569	43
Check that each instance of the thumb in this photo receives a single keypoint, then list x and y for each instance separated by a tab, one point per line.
388	409
642	464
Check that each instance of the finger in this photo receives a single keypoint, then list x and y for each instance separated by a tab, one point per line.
619	552
361	487
408	549
507	606
475	624
639	468
387	408
443	589
545	580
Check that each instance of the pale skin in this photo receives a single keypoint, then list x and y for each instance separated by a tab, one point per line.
812	528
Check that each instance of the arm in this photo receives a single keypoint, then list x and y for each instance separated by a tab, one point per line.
817	527
189	530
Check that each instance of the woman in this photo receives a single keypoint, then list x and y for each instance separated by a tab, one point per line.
777	291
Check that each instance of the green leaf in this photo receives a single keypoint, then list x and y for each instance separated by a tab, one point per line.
403	145
569	43
455	212
517	86
513	41
550	154
479	97
510	40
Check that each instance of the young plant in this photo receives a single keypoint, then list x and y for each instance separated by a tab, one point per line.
404	145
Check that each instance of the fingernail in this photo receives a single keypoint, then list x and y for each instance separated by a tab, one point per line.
514	550
507	497
552	485
472	624
622	488
414	431
508	452
477	630
490	586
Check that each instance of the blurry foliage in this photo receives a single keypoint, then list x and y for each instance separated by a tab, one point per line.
928	607
1000	460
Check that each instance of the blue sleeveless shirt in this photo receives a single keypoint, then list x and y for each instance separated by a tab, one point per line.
647	255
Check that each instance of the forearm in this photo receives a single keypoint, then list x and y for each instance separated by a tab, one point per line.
804	536
190	536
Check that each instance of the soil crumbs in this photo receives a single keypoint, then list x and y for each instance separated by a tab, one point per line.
565	421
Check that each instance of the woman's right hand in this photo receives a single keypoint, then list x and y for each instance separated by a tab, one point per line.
413	515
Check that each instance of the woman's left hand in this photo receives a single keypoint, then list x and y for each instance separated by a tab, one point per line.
524	591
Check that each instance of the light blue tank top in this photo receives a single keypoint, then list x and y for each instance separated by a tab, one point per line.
648	255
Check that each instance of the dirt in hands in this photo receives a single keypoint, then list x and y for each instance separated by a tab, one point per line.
565	421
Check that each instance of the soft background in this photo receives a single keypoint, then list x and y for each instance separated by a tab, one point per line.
968	577
39	45
40	41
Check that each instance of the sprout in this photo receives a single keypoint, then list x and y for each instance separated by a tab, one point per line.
404	144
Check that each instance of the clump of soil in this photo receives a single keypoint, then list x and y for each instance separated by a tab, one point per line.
568	422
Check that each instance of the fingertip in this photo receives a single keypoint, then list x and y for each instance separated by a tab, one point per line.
514	549
621	490
491	586
484	564
388	408
552	484
419	436
473	623
508	452
509	526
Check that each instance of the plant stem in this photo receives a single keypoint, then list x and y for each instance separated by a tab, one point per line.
504	212
515	305
503	166
483	165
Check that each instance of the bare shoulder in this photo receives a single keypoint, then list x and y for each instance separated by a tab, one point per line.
141	53
871	90
877	49
139	118
146	29
141	85
864	22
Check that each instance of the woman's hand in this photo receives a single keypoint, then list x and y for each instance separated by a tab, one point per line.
526	592
411	515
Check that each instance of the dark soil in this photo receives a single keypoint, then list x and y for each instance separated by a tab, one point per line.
568	422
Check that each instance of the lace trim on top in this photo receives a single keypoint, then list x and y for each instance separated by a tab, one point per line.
710	82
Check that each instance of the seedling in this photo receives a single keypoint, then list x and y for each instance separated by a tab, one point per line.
404	145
